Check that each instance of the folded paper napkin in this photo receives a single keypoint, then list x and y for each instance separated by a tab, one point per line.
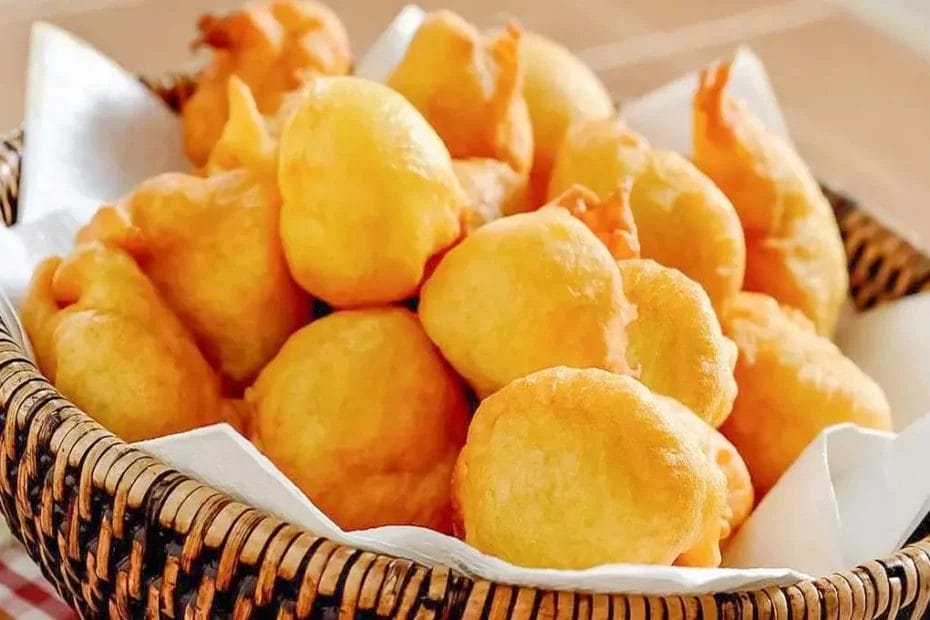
847	499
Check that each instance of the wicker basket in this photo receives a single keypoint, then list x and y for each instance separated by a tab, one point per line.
122	535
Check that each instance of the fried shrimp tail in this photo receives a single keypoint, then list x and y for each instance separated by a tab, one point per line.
610	219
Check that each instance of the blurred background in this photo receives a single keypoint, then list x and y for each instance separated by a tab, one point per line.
853	76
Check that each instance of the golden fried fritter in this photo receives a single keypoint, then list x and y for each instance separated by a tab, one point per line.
363	414
683	220
559	90
103	336
274	47
493	188
570	469
369	191
469	89
793	245
610	219
211	247
675	342
793	383
523	293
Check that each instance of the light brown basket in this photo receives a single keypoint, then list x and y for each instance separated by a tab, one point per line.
122	535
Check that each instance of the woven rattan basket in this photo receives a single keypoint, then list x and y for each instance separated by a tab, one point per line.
122	535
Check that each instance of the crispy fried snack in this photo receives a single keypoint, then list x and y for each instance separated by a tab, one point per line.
610	219
274	46
793	383
469	89
676	343
363	414
793	248
211	247
559	90
683	220
104	337
370	194
523	293
717	448
570	469
493	188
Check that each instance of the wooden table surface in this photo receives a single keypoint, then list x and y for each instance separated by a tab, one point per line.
856	99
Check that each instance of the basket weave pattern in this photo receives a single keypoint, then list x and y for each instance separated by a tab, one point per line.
122	535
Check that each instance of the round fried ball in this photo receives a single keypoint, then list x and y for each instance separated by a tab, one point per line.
523	293
684	221
793	383
675	342
570	468
362	413
559	90
369	192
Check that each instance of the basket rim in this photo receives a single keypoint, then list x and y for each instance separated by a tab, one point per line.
40	422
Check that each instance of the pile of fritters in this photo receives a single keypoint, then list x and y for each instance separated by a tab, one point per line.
470	299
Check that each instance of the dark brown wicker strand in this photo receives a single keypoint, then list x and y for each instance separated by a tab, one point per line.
121	535
11	148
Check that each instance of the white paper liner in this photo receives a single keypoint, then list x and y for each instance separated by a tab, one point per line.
821	498
92	130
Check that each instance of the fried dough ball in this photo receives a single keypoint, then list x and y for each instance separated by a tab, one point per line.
523	293
493	188
103	336
675	342
793	383
211	247
274	46
559	90
683	220
793	248
610	219
469	89
740	493
569	468
369	191
361	399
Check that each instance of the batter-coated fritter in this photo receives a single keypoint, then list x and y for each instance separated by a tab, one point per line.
362	413
523	293
793	383
211	247
793	248
469	88
108	342
569	468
